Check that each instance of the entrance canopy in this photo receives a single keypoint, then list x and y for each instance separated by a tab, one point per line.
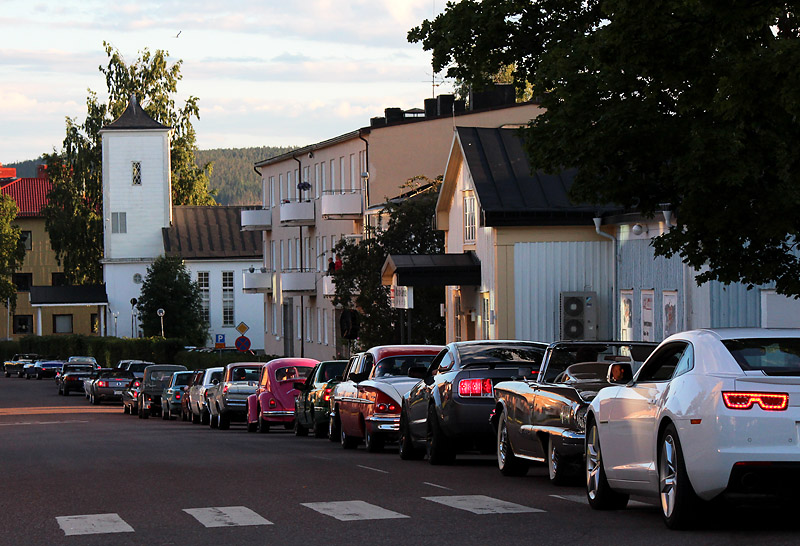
431	269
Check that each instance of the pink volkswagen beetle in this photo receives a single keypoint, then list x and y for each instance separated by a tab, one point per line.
273	401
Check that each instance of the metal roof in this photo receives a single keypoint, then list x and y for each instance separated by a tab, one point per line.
210	232
29	193
134	117
432	269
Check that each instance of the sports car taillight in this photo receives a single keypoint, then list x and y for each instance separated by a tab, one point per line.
475	387
102	383
327	395
177	396
767	401
137	384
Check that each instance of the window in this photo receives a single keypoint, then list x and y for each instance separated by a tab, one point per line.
272	255
352	171
457	318
280	188
469	219
274	317
22	281
309	325
136	173
119	222
325	325
323	187
94	323
341	173
319	325
485	318
316	181
62	324
58	279
25	237
299	327
203	283
271	191
283	265
333	174
23	324
662	365
227	298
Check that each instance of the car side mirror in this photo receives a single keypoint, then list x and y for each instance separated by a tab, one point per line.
619	373
215	381
299	385
417	372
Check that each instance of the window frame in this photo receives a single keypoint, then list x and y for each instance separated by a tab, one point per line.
56	318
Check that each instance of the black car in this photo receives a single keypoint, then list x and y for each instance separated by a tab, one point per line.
313	402
109	385
448	411
16	364
156	377
46	368
72	376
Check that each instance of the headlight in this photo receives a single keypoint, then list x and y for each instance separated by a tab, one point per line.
580	417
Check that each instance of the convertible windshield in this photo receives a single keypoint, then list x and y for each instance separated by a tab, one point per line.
399	365
774	356
515	353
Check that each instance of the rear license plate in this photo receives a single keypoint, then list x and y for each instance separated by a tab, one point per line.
117	393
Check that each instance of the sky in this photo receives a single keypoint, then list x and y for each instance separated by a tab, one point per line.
267	73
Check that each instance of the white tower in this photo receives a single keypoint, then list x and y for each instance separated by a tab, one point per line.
137	205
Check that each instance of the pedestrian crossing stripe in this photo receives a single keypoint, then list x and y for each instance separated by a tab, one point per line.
93	524
226	516
481	504
352	510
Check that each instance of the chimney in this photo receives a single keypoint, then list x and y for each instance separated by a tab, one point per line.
377	122
41	171
430	108
445	104
393	115
492	96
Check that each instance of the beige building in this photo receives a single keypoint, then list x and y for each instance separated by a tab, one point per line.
318	194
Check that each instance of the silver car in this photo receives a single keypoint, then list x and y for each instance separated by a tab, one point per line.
198	396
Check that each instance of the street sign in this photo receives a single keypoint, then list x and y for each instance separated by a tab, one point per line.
219	341
242	344
242	328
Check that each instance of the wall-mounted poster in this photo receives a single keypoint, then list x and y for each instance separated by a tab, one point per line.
647	315
669	302
626	315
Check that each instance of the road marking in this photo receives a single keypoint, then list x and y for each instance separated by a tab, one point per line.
44	410
318	457
439	486
373	469
93	524
40	423
352	510
481	504
226	516
581	499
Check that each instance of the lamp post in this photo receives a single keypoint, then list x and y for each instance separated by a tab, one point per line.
133	317
160	313
115	314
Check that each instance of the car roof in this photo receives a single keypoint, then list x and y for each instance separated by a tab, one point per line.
738	333
291	361
383	351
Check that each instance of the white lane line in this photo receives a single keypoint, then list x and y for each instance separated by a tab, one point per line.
23	423
226	516
581	499
352	510
93	524
318	457
439	486
481	504
373	469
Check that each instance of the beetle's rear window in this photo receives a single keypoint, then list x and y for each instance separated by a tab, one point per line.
773	356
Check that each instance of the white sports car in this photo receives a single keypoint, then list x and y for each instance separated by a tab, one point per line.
710	412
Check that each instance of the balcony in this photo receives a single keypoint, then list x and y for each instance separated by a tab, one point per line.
342	205
257	220
258	282
297	213
328	287
299	282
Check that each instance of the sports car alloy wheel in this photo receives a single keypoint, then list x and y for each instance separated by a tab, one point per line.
556	466
679	504
600	494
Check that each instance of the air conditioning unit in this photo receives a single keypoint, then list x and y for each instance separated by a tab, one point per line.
578	315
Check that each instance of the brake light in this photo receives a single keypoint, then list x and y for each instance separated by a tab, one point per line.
225	388
327	395
102	383
137	384
384	403
475	387
272	403
177	396
767	401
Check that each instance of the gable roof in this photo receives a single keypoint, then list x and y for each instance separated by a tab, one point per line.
134	117
508	192
210	232
29	193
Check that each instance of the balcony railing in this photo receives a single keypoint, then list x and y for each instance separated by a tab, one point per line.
342	205
258	281
299	281
297	213
257	220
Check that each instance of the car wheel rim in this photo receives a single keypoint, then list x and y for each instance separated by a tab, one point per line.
502	445
668	475
553	460
593	463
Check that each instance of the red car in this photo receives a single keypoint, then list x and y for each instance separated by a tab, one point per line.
273	401
366	404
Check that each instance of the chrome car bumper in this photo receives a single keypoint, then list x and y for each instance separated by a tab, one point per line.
384	423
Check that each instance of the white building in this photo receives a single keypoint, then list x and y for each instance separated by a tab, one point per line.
141	224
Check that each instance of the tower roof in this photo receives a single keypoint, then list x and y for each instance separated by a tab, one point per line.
134	117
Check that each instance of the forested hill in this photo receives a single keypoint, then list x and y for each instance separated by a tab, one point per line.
233	176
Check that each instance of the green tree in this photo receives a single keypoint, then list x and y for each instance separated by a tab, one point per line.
169	286
691	105
73	215
358	283
12	250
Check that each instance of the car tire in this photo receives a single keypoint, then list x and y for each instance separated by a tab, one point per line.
373	441
558	468
95	400
680	506
252	427
408	451
508	463
223	421
333	428
27	377
8	374
213	421
320	430
165	412
599	493
347	441
38	377
299	430
263	426
205	417
440	450
66	391
60	391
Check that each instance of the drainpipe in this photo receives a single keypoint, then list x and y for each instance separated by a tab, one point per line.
366	181
597	221
300	261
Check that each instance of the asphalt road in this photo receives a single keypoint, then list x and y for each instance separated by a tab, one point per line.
68	467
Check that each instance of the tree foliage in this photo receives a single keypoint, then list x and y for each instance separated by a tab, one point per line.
169	286
358	283
692	104
73	216
12	250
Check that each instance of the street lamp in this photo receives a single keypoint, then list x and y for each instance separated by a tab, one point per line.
133	317
115	314
160	313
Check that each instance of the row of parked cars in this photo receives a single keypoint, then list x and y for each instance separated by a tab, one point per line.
705	415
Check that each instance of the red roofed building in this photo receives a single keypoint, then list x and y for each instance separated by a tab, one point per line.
40	271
